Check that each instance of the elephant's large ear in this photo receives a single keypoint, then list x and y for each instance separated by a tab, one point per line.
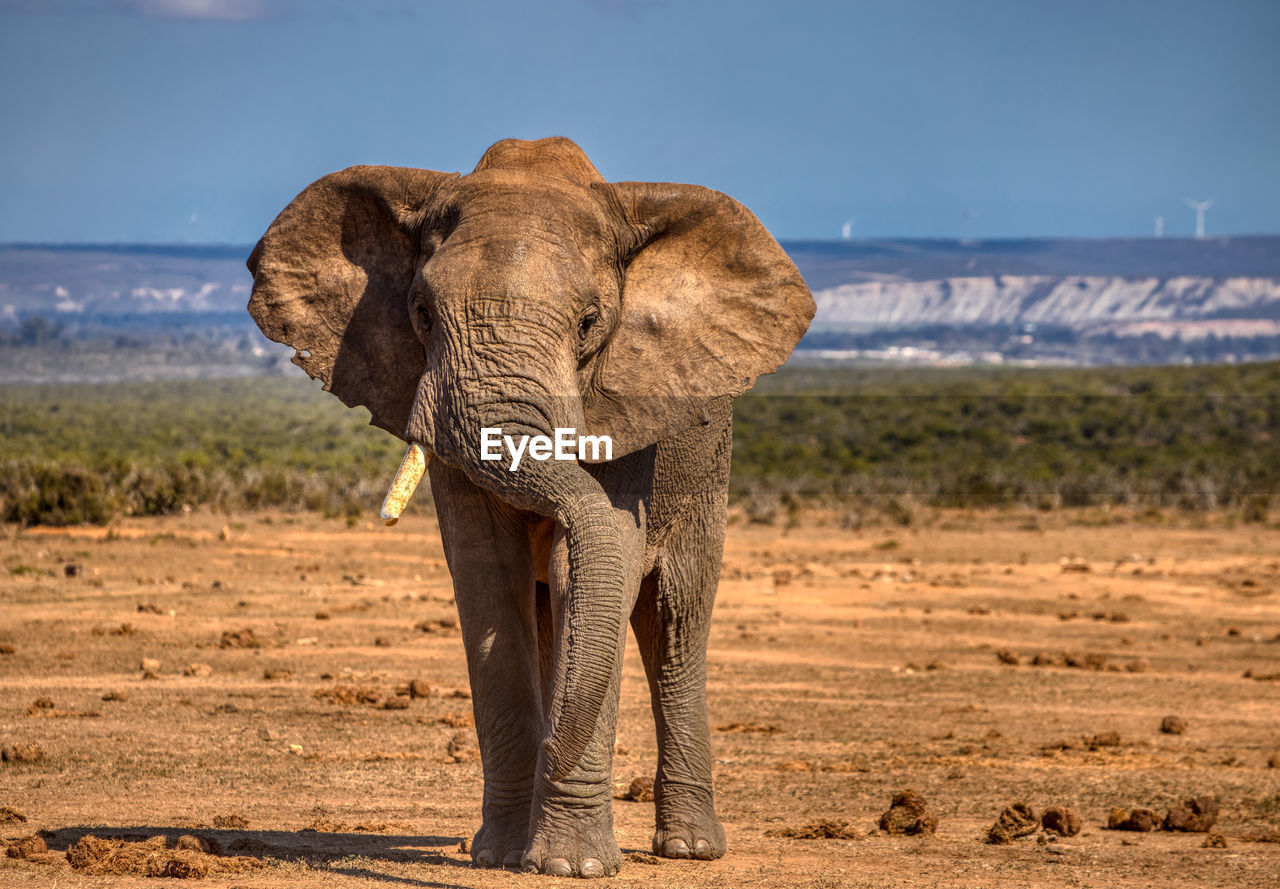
710	302
331	278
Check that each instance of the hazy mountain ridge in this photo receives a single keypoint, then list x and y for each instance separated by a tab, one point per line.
1070	301
828	264
1090	301
889	282
124	279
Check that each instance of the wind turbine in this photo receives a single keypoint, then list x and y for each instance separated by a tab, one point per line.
1159	226
846	230
1199	207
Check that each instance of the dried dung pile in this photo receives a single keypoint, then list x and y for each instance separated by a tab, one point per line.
640	790
1139	819
1017	820
908	815
1195	815
23	753
822	829
26	847
188	857
1061	820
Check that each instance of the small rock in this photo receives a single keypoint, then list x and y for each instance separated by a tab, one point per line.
1173	725
1008	656
418	688
150	665
198	670
396	703
1214	841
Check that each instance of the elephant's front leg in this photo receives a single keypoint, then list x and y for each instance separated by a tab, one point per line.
572	824
487	547
671	623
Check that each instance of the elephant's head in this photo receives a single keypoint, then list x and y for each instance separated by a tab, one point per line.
531	295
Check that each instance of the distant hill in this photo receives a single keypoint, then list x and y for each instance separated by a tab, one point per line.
1105	300
1072	301
827	264
121	279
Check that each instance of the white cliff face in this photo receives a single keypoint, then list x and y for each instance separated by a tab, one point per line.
1071	301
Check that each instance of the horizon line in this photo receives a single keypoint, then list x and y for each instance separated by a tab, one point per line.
878	239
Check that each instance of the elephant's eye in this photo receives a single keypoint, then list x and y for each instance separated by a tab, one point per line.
423	317
588	321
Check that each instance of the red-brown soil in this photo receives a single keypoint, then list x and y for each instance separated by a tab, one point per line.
977	659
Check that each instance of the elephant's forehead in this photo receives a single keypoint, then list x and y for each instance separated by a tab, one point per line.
526	194
515	262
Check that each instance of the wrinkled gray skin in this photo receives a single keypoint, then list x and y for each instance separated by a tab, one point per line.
530	295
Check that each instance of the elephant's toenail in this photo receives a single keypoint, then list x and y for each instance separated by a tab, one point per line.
485	858
558	867
529	866
702	849
513	859
676	849
591	867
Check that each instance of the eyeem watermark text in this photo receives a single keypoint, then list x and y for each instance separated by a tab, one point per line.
565	445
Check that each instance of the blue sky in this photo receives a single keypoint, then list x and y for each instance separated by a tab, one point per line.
197	120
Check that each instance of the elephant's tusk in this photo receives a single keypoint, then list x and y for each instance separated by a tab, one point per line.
406	481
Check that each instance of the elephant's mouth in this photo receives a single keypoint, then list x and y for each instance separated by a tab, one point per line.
405	483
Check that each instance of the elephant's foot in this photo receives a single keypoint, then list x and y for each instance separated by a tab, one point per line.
687	824
574	840
500	841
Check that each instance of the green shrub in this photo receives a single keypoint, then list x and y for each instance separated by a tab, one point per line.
865	441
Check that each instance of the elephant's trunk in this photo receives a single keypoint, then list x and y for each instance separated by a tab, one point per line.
594	616
593	624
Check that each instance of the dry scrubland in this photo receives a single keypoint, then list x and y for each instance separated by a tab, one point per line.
289	692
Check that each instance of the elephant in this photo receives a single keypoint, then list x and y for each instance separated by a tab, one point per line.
532	296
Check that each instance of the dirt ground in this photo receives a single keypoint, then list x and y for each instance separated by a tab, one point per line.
229	678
